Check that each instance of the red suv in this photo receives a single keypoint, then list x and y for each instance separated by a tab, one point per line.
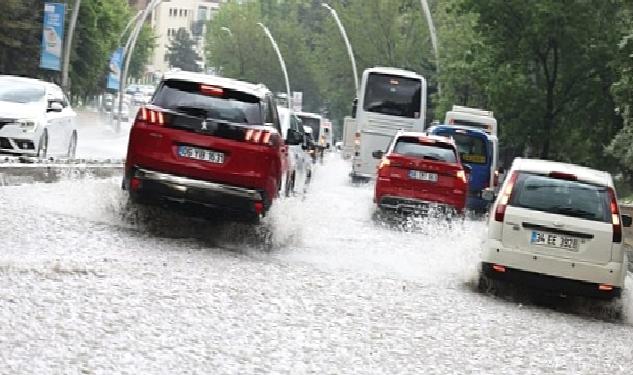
420	171
209	141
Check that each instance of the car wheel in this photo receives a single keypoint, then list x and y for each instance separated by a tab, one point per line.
72	145
288	186
42	147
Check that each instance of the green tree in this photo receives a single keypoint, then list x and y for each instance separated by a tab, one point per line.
182	54
145	45
20	36
549	76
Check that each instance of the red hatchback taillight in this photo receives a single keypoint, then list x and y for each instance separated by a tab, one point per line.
615	217
505	196
151	117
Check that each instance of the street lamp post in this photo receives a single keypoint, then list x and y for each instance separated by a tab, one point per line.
281	61
69	42
350	52
128	51
127	27
429	21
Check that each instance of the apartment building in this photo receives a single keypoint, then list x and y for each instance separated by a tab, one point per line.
172	15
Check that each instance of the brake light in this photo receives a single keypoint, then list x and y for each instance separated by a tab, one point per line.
563	176
615	217
262	137
504	198
384	163
495	180
499	268
461	175
357	139
150	116
211	90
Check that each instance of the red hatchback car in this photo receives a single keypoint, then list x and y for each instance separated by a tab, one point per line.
209	141
420	171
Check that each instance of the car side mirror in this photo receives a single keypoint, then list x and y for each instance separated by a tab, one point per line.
488	195
626	221
354	107
293	138
501	170
54	106
467	168
378	154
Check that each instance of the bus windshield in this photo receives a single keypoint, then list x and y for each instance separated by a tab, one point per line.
393	95
472	150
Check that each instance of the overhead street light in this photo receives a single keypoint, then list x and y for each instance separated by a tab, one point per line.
350	52
429	21
128	51
281	61
127	27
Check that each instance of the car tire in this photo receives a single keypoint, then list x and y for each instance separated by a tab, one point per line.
42	147
72	145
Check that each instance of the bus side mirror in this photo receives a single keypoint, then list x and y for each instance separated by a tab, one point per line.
488	195
378	154
626	221
354	107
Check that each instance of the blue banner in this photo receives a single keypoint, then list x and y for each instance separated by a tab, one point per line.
114	76
52	36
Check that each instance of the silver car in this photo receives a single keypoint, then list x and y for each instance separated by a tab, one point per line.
36	118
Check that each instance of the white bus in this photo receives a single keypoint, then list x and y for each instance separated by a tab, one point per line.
390	99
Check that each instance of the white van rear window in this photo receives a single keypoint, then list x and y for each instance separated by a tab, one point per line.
563	197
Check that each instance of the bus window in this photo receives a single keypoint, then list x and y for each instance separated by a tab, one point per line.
392	95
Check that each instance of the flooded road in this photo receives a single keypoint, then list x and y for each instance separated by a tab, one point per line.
89	284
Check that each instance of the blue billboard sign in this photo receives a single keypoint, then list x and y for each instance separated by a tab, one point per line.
114	76
52	36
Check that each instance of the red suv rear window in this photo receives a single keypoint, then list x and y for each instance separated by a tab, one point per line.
186	97
414	147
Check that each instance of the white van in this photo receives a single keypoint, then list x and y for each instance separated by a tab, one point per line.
472	118
298	161
557	227
389	100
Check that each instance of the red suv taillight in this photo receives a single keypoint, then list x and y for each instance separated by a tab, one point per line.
615	217
505	196
151	116
261	137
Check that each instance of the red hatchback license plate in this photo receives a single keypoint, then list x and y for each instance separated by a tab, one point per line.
201	154
423	176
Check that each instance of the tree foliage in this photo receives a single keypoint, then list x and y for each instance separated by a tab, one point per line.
98	29
181	52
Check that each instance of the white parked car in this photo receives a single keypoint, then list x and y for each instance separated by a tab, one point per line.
557	227
36	118
299	163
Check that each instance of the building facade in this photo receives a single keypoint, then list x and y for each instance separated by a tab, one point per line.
172	15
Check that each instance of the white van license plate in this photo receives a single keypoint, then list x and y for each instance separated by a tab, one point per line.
554	240
424	176
201	154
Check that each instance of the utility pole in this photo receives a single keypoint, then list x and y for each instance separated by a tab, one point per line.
68	44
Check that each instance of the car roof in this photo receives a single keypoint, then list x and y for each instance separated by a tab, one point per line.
584	174
460	127
438	138
30	80
258	90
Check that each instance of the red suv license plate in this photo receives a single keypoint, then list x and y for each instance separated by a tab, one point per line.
201	154
424	176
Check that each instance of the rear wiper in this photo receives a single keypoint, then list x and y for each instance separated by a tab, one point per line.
192	111
429	157
573	211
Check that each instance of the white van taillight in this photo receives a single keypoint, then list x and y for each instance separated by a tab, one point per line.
357	139
615	217
151	117
505	196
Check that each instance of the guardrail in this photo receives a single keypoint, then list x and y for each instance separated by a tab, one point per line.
22	170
